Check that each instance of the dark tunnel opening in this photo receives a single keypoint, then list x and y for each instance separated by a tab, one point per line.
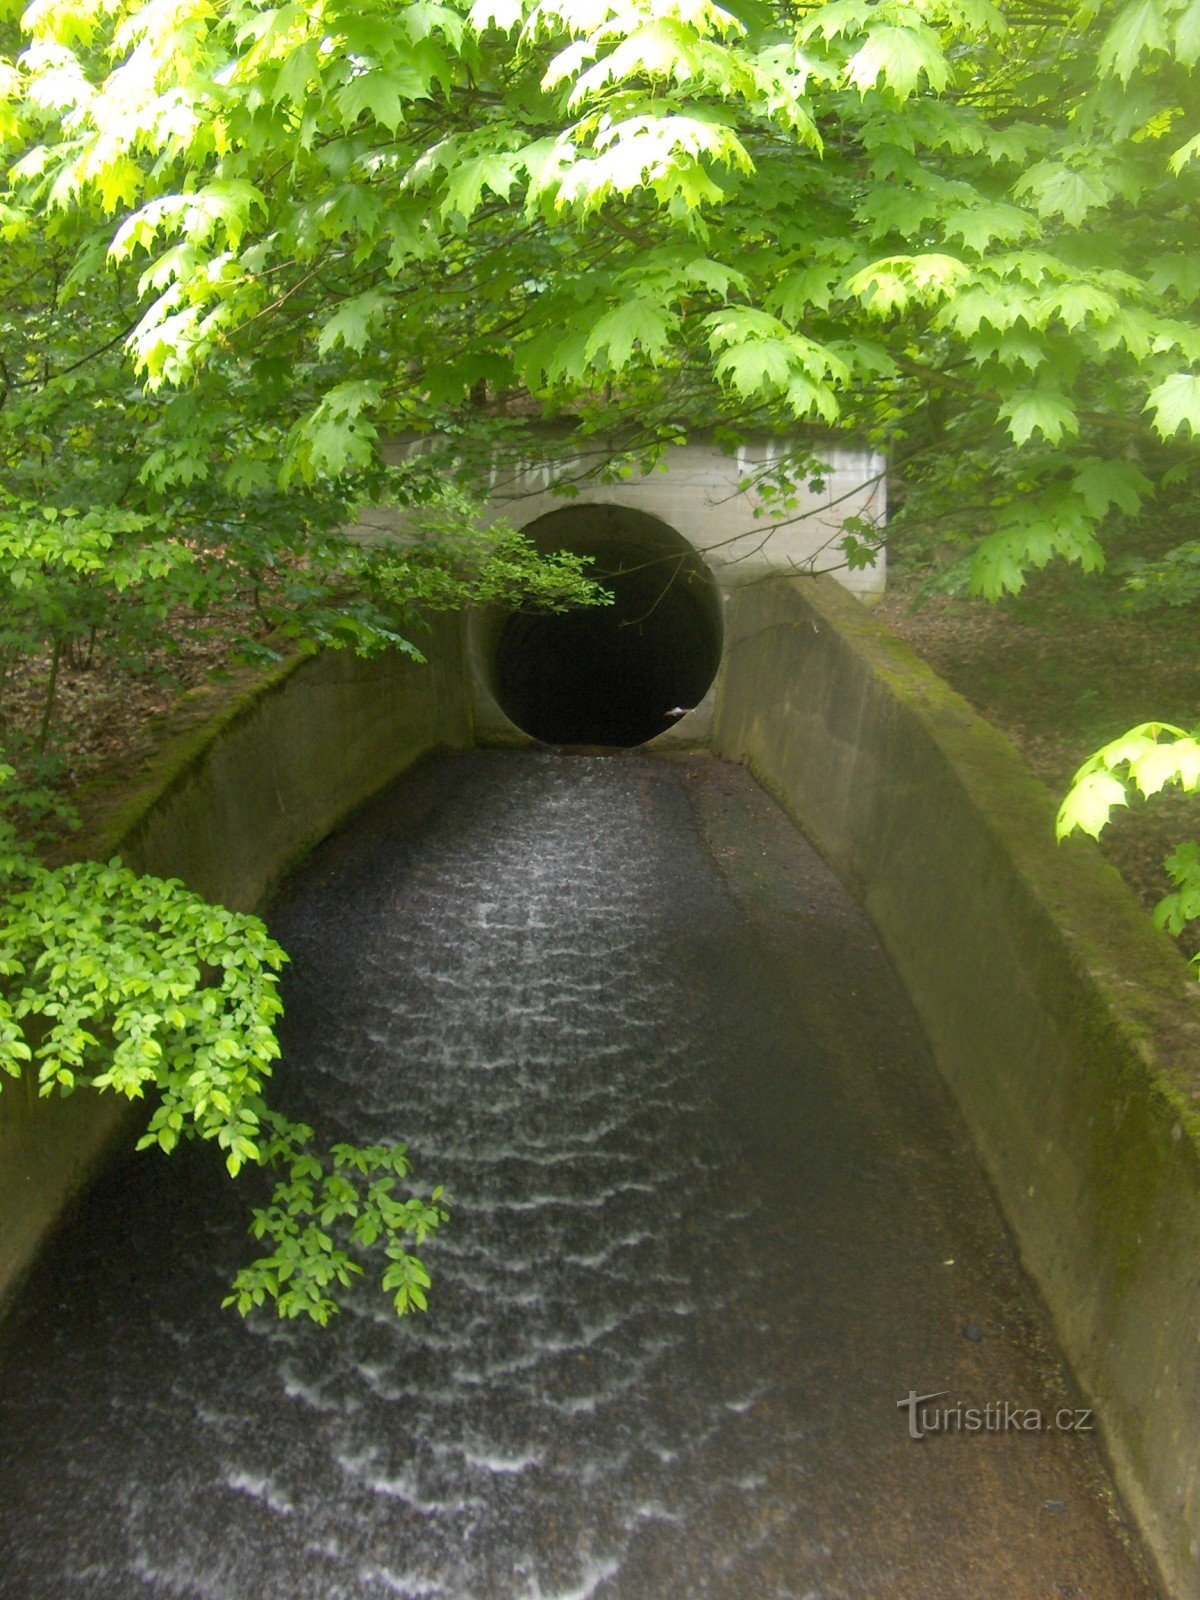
619	674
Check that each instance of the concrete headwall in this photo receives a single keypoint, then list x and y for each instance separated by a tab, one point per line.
1068	1029
703	491
228	805
707	494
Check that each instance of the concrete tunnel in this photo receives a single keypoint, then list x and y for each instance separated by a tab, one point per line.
609	675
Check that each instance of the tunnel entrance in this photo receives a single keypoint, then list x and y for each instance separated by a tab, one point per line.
619	674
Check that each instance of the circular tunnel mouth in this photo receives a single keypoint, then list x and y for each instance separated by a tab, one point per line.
620	674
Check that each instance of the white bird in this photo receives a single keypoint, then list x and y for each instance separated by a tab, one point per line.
679	711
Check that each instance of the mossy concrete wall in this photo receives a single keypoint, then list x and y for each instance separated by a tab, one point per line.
1067	1027
252	778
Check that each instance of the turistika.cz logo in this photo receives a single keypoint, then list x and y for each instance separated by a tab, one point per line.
997	1416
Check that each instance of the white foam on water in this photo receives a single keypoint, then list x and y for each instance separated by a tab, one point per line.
651	1511
594	1574
540	1202
259	1487
410	1585
494	1462
402	1486
582	1406
601	1257
213	1417
309	1394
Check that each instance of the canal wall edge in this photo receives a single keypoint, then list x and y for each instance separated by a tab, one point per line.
1066	1026
249	778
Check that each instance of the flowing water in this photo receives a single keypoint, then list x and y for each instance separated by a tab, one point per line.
713	1217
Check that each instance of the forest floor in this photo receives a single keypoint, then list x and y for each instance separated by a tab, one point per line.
106	716
1062	669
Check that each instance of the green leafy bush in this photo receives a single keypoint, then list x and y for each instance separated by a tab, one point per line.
1148	759
132	985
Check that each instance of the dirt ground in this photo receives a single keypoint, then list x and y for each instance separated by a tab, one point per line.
105	718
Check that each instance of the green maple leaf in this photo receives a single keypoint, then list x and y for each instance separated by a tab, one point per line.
227	202
297	75
806	398
1186	152
1176	762
467	179
896	209
979	226
1077	302
1066	192
1176	404
1011	350
1184	29
899	55
640	323
351	323
980	303
882	289
1031	411
1090	803
1176	274
1134	329
336	436
760	366
409	233
119	182
1139	28
810	288
1111	483
382	94
996	569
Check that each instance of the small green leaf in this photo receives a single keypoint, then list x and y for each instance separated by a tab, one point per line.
1089	804
1176	404
1031	411
899	55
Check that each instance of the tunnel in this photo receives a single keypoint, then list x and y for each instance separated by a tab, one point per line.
619	674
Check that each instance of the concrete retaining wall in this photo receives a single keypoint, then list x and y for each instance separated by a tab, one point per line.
700	489
1068	1029
229	805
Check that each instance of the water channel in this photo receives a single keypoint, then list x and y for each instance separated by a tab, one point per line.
714	1217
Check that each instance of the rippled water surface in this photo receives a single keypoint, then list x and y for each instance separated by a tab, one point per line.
712	1218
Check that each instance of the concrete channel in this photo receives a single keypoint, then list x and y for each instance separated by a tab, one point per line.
816	1158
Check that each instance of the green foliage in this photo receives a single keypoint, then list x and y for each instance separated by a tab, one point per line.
1171	580
446	557
320	1211
111	981
1145	761
65	575
963	230
497	566
1175	911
